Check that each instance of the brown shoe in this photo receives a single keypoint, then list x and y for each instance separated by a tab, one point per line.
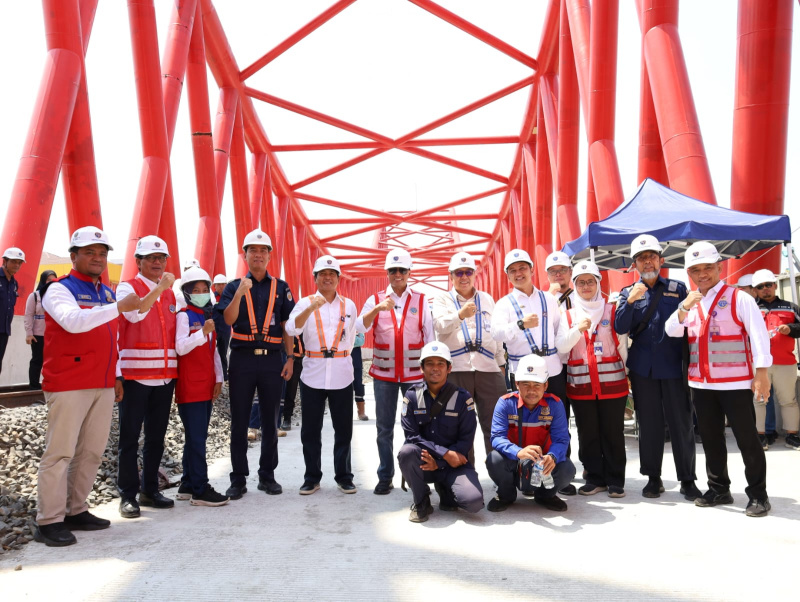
360	410
252	434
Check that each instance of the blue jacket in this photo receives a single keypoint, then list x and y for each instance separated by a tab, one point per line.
452	429
653	354
8	299
510	408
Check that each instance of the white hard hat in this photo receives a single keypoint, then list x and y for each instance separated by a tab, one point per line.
461	260
700	252
149	245
645	242
326	262
585	267
746	280
89	235
435	349
762	277
532	368
515	255
194	274
191	263
257	237
398	258
557	258
220	279
14	253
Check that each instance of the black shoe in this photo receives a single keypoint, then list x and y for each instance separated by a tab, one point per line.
689	491
697	438
270	487
590	489
286	425
568	490
497	505
184	492
792	441
86	521
446	502
421	511
383	488
209	498
309	488
762	439
155	500
129	508
552	503
55	535
758	508
711	498
771	438
615	492
235	492
654	488
346	487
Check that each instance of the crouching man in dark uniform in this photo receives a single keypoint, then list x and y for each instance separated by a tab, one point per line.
439	423
544	438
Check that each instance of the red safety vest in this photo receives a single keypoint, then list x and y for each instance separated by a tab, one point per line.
533	433
593	376
397	347
196	376
147	347
719	346
781	346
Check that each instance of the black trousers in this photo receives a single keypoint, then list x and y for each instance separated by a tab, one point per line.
222	346
35	367
290	392
461	484
503	471
148	406
712	408
340	402
602	440
247	374
358	373
657	400
3	344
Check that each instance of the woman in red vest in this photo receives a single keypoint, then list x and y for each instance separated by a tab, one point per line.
199	384
596	382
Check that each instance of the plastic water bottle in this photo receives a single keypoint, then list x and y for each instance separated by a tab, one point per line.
546	480
536	475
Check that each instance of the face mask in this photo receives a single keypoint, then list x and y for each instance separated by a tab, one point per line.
200	300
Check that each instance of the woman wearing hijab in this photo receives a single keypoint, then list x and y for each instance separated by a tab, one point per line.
34	329
596	382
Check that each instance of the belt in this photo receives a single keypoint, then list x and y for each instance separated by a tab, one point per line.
255	351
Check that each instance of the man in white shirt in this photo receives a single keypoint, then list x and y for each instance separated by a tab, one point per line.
462	319
729	355
327	322
402	325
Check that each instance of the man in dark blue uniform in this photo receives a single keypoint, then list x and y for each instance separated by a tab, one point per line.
223	330
439	423
13	258
655	362
257	306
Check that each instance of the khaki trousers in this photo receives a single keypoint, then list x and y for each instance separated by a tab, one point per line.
78	423
783	380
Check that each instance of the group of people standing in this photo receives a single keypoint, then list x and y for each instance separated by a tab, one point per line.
565	349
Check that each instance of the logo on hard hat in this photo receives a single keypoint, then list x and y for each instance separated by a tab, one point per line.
329	262
516	254
97	235
530	368
463	259
434	348
395	258
584	266
696	254
139	244
258	236
643	241
156	244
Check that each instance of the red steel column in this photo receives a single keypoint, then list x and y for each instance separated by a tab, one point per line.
258	172
543	202
31	200
239	187
155	148
761	115
208	230
279	240
681	140
223	131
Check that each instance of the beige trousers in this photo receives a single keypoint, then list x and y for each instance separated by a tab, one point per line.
78	423
783	380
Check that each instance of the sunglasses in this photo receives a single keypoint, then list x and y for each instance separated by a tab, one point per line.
765	285
462	273
402	271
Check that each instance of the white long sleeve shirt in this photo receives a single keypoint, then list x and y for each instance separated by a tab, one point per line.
319	372
753	322
399	302
186	341
64	309
505	328
448	329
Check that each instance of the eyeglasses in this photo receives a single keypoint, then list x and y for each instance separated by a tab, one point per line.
462	273
585	283
155	258
555	272
765	285
402	271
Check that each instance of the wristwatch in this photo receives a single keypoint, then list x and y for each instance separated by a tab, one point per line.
521	324
682	307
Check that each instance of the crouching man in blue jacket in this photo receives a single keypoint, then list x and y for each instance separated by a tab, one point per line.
439	423
539	446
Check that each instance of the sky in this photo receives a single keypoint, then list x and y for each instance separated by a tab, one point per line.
385	65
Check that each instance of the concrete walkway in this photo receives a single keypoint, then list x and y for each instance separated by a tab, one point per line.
332	546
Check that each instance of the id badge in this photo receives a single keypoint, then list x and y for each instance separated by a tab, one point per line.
272	320
713	331
598	348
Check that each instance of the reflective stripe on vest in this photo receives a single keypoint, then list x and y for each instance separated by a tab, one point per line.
333	351
465	331
724	356
545	350
251	315
394	357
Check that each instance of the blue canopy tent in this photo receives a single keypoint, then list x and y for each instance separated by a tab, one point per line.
677	221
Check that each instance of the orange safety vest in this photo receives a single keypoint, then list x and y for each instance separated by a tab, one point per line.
254	334
323	346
